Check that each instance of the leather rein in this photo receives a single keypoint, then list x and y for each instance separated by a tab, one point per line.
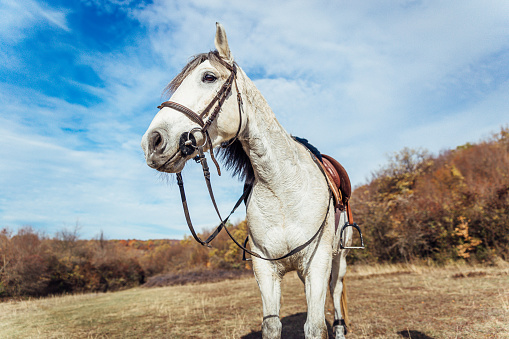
188	146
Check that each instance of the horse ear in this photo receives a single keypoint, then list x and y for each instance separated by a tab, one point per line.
221	43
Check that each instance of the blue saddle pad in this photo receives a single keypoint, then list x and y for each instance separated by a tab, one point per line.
310	147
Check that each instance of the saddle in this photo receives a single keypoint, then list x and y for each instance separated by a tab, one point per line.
339	183
338	180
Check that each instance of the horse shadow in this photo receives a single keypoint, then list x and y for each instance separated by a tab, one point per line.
413	334
293	327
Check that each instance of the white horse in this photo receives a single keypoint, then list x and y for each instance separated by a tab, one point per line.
289	199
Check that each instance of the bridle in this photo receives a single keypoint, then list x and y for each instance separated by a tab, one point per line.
188	145
187	142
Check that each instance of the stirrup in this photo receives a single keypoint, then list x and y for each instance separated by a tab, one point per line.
341	244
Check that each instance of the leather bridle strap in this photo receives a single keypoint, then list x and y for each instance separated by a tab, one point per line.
237	204
188	217
206	175
219	98
196	118
183	109
186	210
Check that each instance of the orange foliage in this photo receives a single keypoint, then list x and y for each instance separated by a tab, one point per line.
449	207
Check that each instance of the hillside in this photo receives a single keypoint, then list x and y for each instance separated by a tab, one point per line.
417	208
454	206
32	264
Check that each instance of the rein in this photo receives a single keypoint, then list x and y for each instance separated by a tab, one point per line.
188	146
298	248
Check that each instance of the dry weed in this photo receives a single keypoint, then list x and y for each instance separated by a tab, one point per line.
394	301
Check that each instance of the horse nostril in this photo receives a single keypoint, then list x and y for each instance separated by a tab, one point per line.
157	140
157	143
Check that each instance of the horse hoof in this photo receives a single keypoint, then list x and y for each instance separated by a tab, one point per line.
339	332
340	329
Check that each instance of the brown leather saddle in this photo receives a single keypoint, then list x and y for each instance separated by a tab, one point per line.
338	180
341	188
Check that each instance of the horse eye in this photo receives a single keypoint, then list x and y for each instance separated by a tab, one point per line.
209	77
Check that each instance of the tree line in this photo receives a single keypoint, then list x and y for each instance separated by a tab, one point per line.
33	264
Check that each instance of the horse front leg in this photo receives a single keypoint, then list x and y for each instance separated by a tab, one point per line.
316	279
269	282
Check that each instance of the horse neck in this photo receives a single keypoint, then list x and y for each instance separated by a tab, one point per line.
271	149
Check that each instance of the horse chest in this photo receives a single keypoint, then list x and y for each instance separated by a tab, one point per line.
277	223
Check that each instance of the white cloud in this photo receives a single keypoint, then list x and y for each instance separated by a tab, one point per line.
18	16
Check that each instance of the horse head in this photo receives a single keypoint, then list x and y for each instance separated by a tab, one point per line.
201	111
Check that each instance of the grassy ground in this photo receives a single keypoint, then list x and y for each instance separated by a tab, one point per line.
384	302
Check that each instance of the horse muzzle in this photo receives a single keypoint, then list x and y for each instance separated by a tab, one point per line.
167	156
187	142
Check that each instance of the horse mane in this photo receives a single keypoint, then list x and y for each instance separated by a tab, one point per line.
234	157
212	56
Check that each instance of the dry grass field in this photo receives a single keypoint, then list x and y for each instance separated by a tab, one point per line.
384	302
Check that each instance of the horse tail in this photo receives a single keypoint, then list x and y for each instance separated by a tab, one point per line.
344	304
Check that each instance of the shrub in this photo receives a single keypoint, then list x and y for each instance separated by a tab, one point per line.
454	206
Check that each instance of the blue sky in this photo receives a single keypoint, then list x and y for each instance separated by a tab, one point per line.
80	82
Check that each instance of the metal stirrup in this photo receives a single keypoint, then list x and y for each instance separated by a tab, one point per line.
342	244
